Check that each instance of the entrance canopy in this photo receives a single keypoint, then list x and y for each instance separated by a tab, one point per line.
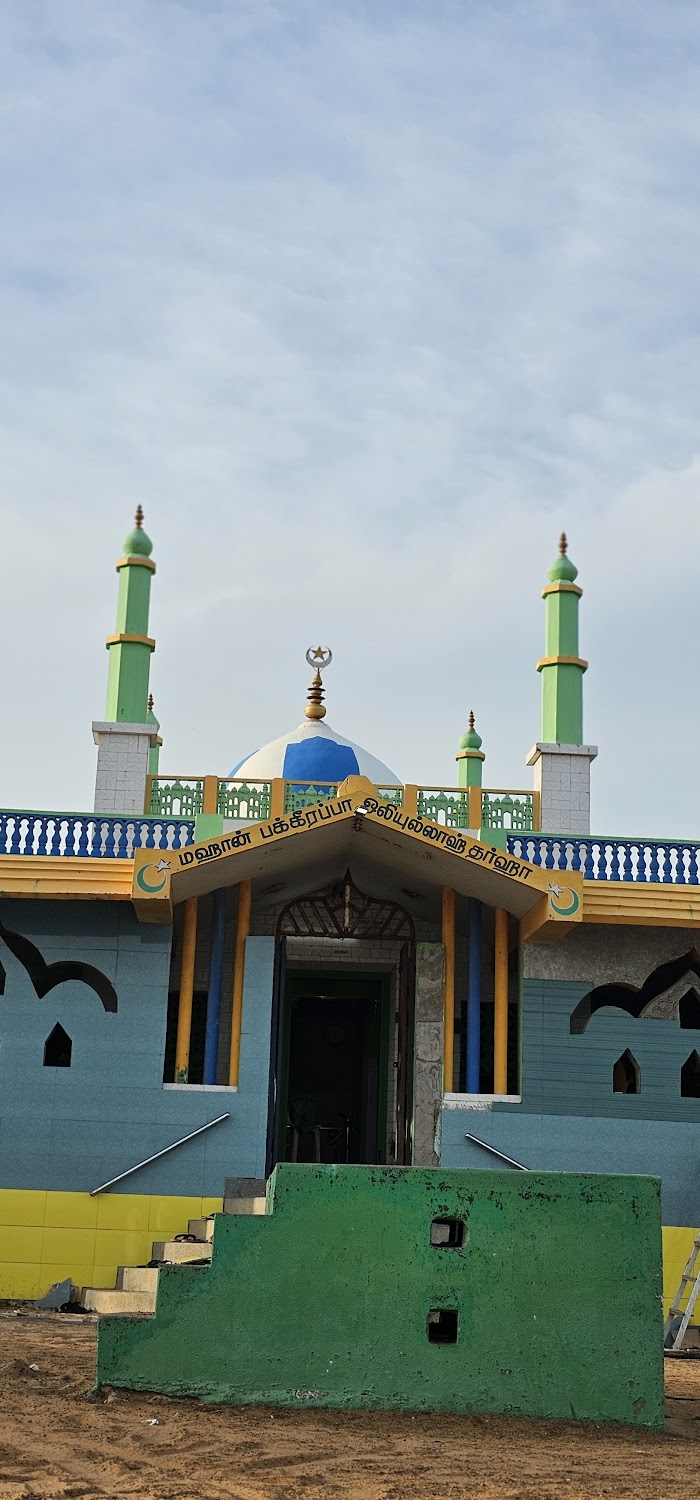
412	848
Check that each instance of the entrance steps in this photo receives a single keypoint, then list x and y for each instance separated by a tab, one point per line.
136	1287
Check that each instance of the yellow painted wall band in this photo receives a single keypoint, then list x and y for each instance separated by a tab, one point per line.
562	661
448	938
130	640
242	930
136	562
561	588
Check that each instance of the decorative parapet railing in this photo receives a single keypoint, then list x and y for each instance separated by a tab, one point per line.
178	797
89	835
510	810
247	800
301	794
636	861
446	805
253	801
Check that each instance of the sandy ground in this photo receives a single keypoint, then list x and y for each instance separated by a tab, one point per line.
57	1440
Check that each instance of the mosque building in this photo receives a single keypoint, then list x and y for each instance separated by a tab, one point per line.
312	959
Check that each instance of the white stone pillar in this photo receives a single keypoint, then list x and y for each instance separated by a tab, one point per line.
122	766
562	776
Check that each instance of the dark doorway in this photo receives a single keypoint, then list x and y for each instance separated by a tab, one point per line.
333	1098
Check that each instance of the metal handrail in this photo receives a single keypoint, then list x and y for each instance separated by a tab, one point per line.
495	1152
148	1159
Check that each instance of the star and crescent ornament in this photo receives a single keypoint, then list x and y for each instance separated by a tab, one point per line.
319	657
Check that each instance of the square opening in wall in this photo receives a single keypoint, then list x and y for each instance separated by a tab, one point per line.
443	1323
447	1234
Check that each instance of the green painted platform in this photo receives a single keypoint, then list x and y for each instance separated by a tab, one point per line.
547	1303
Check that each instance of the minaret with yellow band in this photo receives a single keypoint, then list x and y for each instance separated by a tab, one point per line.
130	647
562	763
127	738
562	668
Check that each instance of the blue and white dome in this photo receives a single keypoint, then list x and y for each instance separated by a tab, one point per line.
313	752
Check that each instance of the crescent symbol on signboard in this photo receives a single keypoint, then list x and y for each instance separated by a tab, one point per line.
566	910
144	885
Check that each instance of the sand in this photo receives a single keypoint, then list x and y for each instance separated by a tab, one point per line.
58	1440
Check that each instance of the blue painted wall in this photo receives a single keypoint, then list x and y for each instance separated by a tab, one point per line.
69	1129
570	1120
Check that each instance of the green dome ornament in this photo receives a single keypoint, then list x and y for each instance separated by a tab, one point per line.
471	740
138	544
563	570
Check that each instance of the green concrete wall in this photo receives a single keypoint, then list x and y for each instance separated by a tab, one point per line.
325	1301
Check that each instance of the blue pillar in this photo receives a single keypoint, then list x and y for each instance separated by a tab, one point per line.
474	998
216	973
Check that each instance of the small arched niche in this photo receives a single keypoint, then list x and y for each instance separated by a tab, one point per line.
690	1077
626	1077
58	1048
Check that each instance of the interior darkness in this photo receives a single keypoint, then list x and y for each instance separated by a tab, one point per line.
199	1021
335	1093
58	1048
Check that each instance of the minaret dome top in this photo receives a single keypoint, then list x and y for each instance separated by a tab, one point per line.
138	544
563	570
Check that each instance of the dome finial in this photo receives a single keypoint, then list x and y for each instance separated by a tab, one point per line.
471	740
563	570
138	544
318	657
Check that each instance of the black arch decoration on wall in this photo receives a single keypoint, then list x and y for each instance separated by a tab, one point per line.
633	1000
45	977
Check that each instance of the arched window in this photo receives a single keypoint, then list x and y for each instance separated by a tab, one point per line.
57	1048
626	1077
690	1077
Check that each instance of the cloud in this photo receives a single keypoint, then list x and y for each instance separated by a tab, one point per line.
363	304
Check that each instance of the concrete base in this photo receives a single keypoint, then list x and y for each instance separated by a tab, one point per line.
562	776
403	1288
122	766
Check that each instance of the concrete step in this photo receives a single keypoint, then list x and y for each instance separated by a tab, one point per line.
112	1303
138	1279
203	1228
179	1252
244	1205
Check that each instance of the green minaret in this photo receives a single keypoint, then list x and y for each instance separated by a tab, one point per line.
131	646
154	752
562	668
470	757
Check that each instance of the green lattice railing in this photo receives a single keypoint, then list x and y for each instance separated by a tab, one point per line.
181	798
440	805
512	810
393	794
250	800
301	794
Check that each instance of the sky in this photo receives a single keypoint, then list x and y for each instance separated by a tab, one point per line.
364	303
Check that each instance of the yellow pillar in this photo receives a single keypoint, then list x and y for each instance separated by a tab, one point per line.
210	794
184	1011
277	797
500	1011
448	938
242	930
410	800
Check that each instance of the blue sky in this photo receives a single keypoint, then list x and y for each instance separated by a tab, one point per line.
363	303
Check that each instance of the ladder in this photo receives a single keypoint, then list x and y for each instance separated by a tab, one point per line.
690	1277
